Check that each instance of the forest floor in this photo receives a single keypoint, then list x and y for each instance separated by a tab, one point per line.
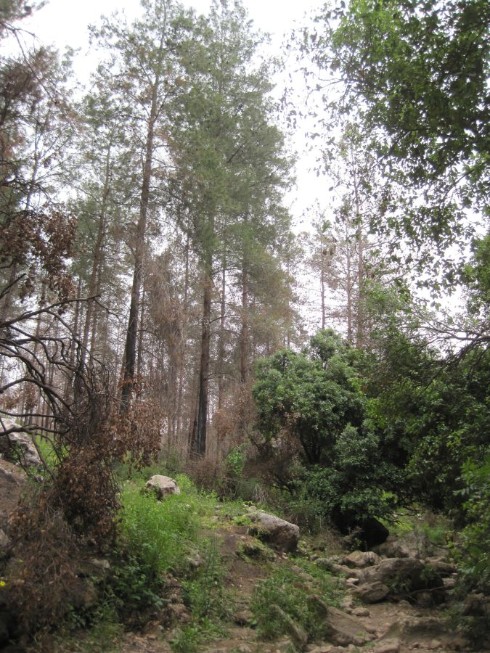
391	627
385	627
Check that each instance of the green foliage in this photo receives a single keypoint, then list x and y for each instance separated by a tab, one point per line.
476	536
316	400
476	276
133	587
313	395
161	533
208	600
421	68
434	416
290	590
232	480
205	593
473	551
414	75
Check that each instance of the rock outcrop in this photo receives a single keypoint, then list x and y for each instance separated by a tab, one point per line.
16	445
278	532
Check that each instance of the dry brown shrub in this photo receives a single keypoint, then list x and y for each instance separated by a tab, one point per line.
42	580
137	433
85	488
233	422
74	515
204	472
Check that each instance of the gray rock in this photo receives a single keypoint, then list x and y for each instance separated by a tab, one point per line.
361	559
12	482
274	530
392	548
361	612
373	592
402	575
388	646
443	567
294	630
162	486
343	629
4	541
318	607
16	445
327	564
391	570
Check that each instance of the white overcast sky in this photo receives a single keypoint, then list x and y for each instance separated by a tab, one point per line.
64	22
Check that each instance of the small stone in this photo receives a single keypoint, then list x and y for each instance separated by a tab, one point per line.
243	618
361	612
434	644
361	559
389	646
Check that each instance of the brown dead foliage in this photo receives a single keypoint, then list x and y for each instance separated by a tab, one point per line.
41	577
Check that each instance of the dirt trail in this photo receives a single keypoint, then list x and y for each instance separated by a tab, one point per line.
391	627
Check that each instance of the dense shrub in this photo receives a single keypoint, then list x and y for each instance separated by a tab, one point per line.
474	553
314	417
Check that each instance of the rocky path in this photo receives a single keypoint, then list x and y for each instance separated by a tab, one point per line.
388	626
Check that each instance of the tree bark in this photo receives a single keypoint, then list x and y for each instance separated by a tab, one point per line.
197	443
128	376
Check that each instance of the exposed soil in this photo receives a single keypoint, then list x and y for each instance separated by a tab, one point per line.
392	627
387	627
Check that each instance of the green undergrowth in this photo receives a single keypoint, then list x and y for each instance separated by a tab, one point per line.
171	539
423	526
292	597
178	540
208	600
163	533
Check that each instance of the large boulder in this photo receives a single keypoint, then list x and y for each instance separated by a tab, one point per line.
404	576
372	592
16	445
162	486
276	531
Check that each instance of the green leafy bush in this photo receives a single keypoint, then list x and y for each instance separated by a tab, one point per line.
313	404
474	562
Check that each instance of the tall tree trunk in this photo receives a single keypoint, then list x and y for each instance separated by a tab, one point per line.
360	335
128	376
221	345
182	351
197	445
350	296
323	282
245	330
97	259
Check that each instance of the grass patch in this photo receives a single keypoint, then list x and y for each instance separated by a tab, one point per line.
163	533
291	589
